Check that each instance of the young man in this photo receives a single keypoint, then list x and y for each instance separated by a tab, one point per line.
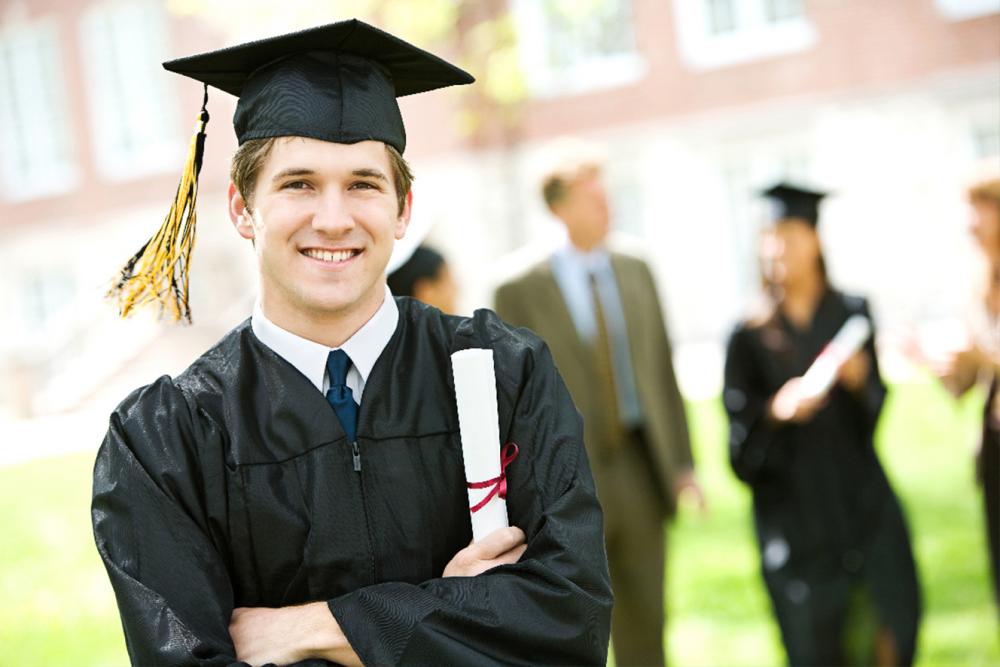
299	493
600	313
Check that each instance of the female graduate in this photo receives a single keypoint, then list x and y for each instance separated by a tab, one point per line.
835	551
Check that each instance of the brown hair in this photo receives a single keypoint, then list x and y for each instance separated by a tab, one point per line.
250	156
986	190
568	160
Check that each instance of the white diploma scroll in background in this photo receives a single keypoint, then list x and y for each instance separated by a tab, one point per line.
479	424
823	372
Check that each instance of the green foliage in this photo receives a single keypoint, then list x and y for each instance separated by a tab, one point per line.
58	608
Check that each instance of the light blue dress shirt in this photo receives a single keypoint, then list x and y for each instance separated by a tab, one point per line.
572	270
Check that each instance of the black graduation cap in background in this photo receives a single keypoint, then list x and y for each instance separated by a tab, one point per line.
791	201
337	82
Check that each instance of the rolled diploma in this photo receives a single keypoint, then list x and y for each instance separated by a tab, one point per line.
823	372
479	425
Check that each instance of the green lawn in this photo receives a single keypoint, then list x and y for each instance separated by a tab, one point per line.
56	607
719	611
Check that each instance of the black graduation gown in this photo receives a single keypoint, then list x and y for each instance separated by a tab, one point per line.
233	485
825	516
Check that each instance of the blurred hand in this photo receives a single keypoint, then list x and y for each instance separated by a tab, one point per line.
791	404
687	490
853	374
501	547
958	370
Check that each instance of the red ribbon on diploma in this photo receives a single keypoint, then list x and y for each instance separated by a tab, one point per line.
498	483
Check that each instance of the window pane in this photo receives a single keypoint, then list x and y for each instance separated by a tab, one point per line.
35	151
780	10
721	16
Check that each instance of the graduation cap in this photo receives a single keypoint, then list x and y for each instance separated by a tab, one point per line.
790	201
337	82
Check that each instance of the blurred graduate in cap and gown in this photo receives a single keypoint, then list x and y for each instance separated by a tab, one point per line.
834	546
419	271
298	493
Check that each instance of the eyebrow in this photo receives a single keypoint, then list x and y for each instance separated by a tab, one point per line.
294	171
301	171
370	173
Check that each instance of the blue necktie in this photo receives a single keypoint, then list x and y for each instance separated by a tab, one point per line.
339	394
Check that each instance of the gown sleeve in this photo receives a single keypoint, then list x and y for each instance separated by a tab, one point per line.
553	606
755	450
172	587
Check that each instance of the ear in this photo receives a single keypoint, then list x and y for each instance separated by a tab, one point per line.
403	221
239	214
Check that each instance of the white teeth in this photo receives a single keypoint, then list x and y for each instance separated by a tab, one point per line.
328	256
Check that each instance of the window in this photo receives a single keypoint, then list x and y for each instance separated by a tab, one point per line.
132	115
36	153
717	33
959	10
573	46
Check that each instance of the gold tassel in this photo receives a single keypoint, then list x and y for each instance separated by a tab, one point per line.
158	273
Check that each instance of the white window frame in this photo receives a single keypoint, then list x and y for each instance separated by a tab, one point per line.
36	96
754	38
127	91
960	10
591	74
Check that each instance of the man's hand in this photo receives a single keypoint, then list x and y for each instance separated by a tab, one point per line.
791	404
501	547
687	486
285	635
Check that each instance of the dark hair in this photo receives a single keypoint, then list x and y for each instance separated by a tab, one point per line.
424	264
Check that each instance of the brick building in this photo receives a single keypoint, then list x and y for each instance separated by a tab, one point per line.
699	102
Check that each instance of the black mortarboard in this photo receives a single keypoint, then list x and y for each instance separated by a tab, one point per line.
337	82
791	201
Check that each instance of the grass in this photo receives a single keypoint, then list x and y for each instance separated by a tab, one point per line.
57	608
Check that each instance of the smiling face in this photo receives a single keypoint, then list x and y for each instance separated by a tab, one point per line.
323	217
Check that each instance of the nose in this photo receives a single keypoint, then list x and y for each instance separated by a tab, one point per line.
332	215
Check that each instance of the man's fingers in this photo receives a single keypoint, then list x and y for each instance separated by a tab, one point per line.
499	542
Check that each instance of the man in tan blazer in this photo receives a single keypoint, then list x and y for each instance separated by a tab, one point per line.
599	312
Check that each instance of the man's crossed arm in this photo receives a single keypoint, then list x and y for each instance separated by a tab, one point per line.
285	635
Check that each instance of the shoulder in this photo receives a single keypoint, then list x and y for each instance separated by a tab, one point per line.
512	346
628	251
853	303
180	401
527	277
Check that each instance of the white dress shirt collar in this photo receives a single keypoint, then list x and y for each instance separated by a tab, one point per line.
309	357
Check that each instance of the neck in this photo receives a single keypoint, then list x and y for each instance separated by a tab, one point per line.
800	298
331	328
585	245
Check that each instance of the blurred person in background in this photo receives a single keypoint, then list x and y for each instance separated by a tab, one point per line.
834	545
599	312
297	493
980	360
425	276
